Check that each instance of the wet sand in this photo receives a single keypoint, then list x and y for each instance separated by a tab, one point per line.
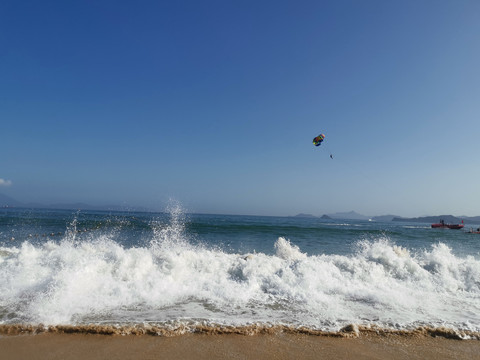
232	346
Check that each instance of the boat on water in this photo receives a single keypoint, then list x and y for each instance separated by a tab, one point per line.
442	225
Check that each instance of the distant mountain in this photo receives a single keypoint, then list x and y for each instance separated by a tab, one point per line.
449	219
352	215
384	218
7	201
302	215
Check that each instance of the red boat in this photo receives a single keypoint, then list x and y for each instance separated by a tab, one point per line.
442	225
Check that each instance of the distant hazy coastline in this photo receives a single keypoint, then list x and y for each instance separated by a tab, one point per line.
9	202
352	215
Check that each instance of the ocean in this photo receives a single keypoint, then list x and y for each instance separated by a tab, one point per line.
182	272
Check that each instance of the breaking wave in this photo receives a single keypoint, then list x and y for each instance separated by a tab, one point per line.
171	284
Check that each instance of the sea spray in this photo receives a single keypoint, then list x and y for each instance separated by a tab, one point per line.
168	280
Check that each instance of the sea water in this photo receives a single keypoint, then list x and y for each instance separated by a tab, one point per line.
180	270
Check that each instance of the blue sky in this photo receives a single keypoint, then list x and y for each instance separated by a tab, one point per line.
215	104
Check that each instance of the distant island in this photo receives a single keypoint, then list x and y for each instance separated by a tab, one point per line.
8	202
302	215
352	215
449	219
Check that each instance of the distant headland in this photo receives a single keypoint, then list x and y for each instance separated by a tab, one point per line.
352	215
8	202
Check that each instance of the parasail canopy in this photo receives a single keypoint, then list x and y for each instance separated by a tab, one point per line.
318	139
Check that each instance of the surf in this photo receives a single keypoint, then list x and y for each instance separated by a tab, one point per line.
169	279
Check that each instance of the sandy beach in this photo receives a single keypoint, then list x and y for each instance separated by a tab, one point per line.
267	346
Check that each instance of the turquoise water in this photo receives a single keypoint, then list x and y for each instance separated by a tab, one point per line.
128	268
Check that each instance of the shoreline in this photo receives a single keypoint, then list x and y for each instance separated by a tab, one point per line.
349	331
73	346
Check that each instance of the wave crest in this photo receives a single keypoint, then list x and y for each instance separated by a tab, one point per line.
98	281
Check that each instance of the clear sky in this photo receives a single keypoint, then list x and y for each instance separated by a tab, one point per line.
215	104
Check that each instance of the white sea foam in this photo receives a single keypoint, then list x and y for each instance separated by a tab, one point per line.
99	281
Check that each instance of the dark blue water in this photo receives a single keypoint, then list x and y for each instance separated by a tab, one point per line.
230	233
